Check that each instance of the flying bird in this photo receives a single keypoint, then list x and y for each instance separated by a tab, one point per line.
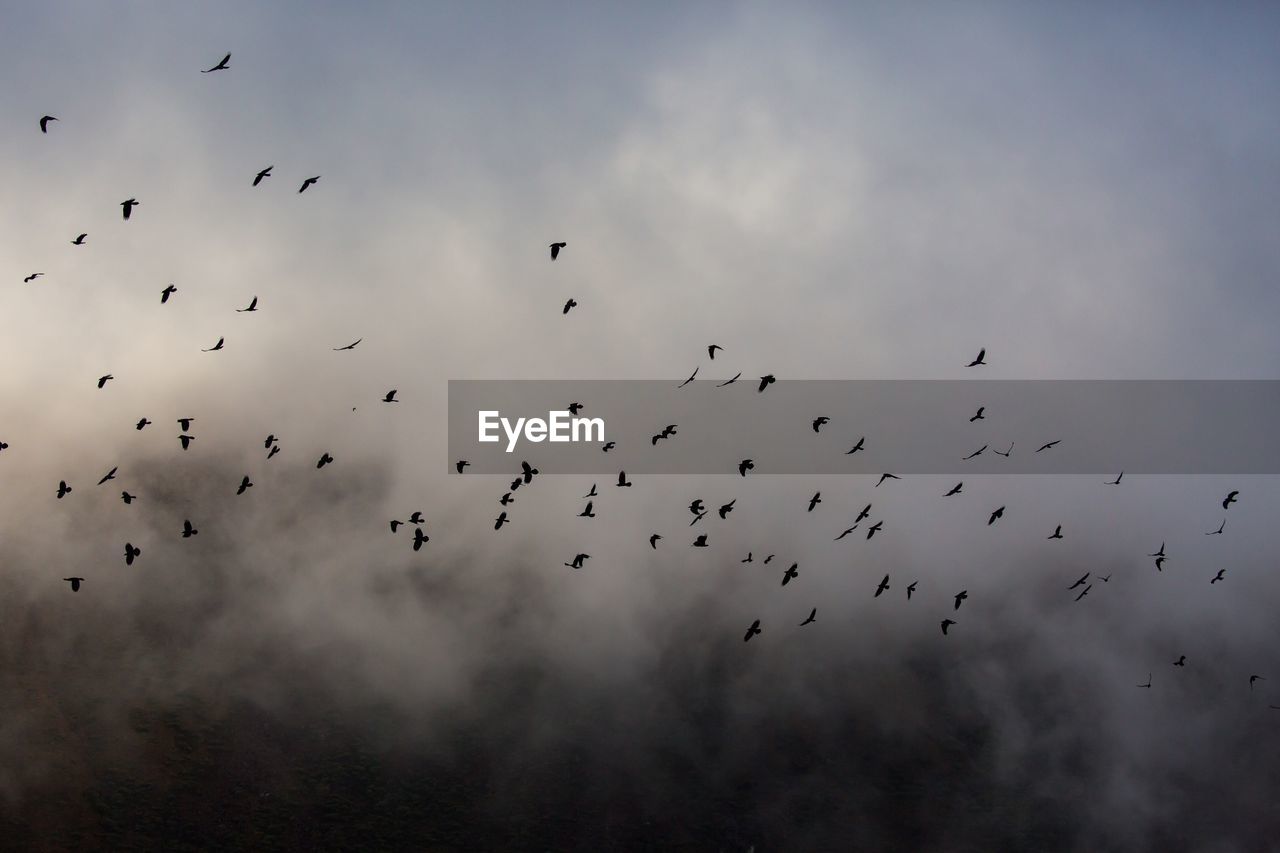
623	482
308	182
527	471
1080	582
790	574
129	204
884	584
667	431
265	173
711	351
653	541
731	381
814	501
253	306
1217	577
555	249
947	623
130	553
185	423
866	511
32	277
977	452
416	517
418	538
325	459
982	353
911	587
609	445
751	632
1084	592
812	617
725	509
1229	499
110	475
962	595
1254	678
166	293
349	346
1050	445
273	452
747	559
1116	481
500	520
577	561
700	541
1057	533
103	380
1159	553
460	464
1148	684
245	485
44	123
216	346
186	440
1218	532
574	408
1160	563
128	498
955	490
766	381
390	397
75	583
819	423
221	66
187	530
978	416
1181	661
859	446
1006	453
395	523
79	241
745	465
690	379
141	424
999	513
570	304
873	529
586	512
63	489
845	533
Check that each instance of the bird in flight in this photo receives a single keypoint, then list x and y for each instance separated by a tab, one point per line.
609	445
815	500
947	623
416	517
245	485
110	475
811	618
130	553
751	632
911	587
791	573
1057	533
873	529
982	353
1229	499
570	303
395	522
978	416
577	561
962	595
265	173
1005	453
1148	684
587	511
765	381
859	446
955	490
166	293
725	509
1080	582
1217	577
1050	445
819	423
221	66
977	452
185	423
129	204
1116	481
527	471
253	306
63	489
731	381
555	249
745	465
273	452
884	584
103	380
1084	592
460	464
1159	553
32	277
711	351
884	477
308	182
44	123
349	346
667	431
79	241
690	379
1254	678
500	520
1160	563
653	541
186	440
592	493
128	498
1181	661
187	529
75	583
866	511
325	459
1105	578
216	346
623	482
418	538
1218	532
747	559
390	397
700	541
845	533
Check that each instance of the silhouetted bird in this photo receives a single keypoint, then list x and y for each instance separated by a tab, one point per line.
1084	592
977	452
814	501
609	445
586	512
308	182
32	277
1218	532
911	587
1105	578
982	353
416	517
977	416
1229	499
506	499
245	485
130	553
1159	553
75	583
697	518
962	595
1160	563
103	380
700	541
653	541
166	293
460	464
1116	481
1006	453
253	306
711	351
570	304
1181	661
947	623
999	513
768	558
273	452
745	465
623	482
390	397
819	423
216	346
110	475
1254	678
875	528
1050	445
128	498
574	408
577	561
128	205
265	173
141	424
1080	582
325	459
63	489
395	523
592	493
884	584
1057	533
725	509
751	632
667	431
1148	684
500	520
349	346
747	559
846	532
79	241
884	477
766	381
731	381
44	123
812	617
419	537
187	530
955	490
866	511
185	423
186	440
1217	577
690	379
527	472
555	249
791	573
221	66
859	446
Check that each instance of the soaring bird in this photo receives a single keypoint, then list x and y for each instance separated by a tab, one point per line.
253	306
1116	481
587	512
1181	661
1160	563
977	452
221	66
745	465
747	559
814	501
999	513
577	561
349	346
1084	592
103	380
390	397
44	123
884	477
730	381
273	452
947	623
527	471
63	489
623	482
1004	453
186	440
1050	445
187	530
1057	533
570	304
846	532
700	541
1217	577
460	464
1218	532
711	351
325	459
1254	678
667	431
609	445
500	520
698	518
690	379
884	584
216	346
79	241
978	416
574	408
875	528
819	423
866	511
166	293
130	552
751	632
1159	553
75	583
395	523
265	173
859	446
555	249
911	587
765	381
129	204
32	277
1080	582
791	573
591	494
955	490
308	182
418	538
110	475
653	541
245	485
141	424
1229	499
128	498
185	423
812	617
696	506
416	517
725	509
982	353
961	596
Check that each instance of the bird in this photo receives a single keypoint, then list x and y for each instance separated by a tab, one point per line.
586	512
812	617
141	424
186	440
32	277
911	587
130	553
866	511
690	379
768	558
955	490
555	249
978	416
325	459
129	204
418	538
44	123
623	482
696	506
961	596
859	446
884	477
999	513
245	485
790	574
751	632
390	397
1160	563
884	584
63	489
947	623
460	464
667	431
216	346
746	559
349	346
395	523
700	541
3	445
592	493
1050	445
308	182
609	445
1229	499
765	381
1005	453
416	517
730	381
1084	592
1057	533
982	353
103	380
221	66
500	520
265	173
1254	678
1159	553
1080	582
166	293
1181	661
187	530
1217	577
977	452
846	532
871	531
697	518
75	583
574	408
110	475
273	452
814	501
745	465
527	471
1105	578
711	351
570	304
819	423
725	509
185	423
1116	481
653	541
253	306
79	241
1148	684
1218	532
577	561
128	498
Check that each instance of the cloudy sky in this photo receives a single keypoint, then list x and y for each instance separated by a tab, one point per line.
828	192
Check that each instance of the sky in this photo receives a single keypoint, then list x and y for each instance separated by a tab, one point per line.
828	191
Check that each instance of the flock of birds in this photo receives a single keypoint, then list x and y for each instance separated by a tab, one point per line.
527	472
